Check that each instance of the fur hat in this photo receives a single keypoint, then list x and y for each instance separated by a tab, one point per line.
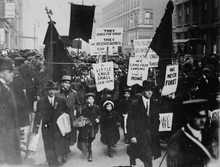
108	102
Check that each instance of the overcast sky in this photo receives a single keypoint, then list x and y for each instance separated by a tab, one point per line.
61	15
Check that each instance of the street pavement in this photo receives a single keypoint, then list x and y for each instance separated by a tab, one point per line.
100	157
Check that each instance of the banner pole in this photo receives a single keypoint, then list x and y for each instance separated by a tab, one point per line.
107	54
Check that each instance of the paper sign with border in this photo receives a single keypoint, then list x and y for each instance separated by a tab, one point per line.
137	71
104	75
166	120
171	80
109	36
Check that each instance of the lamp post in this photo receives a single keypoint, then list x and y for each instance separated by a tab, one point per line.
35	32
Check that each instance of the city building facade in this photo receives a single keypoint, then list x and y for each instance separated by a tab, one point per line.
197	27
10	23
139	18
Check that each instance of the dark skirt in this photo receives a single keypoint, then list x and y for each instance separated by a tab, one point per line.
110	136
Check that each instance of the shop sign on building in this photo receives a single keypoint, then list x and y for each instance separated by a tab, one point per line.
2	36
10	10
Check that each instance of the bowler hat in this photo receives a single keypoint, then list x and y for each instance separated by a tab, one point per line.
50	85
90	94
148	84
6	64
66	78
194	106
19	61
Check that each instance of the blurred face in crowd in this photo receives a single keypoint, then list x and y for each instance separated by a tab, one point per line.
147	93
7	75
109	107
127	95
51	92
198	122
66	85
90	100
85	73
218	98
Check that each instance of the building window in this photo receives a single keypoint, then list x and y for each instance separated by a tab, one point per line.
195	12
147	17
179	15
204	10
215	9
187	14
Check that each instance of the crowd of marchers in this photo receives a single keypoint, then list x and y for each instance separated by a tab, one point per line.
29	102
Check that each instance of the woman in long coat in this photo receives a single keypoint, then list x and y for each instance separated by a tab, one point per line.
55	144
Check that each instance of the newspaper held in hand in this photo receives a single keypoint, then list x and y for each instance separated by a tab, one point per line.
34	142
34	139
63	123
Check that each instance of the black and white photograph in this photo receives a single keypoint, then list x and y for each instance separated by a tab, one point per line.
109	83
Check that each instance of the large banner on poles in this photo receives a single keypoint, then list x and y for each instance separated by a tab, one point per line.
171	80
137	71
104	75
142	50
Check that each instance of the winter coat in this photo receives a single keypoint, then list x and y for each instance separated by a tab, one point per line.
109	128
55	144
138	126
10	152
185	150
74	105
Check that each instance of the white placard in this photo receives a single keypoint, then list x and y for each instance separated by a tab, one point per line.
141	47
94	50
171	80
104	75
109	36
10	10
137	71
166	120
215	114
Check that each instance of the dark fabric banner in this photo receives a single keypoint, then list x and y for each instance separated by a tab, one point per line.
162	42
54	52
81	22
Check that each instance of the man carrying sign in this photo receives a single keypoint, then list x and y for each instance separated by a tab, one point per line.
142	127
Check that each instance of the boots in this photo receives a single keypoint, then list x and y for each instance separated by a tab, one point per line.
109	151
89	152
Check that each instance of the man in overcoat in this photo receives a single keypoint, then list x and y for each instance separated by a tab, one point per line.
10	153
72	101
49	109
191	145
142	127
